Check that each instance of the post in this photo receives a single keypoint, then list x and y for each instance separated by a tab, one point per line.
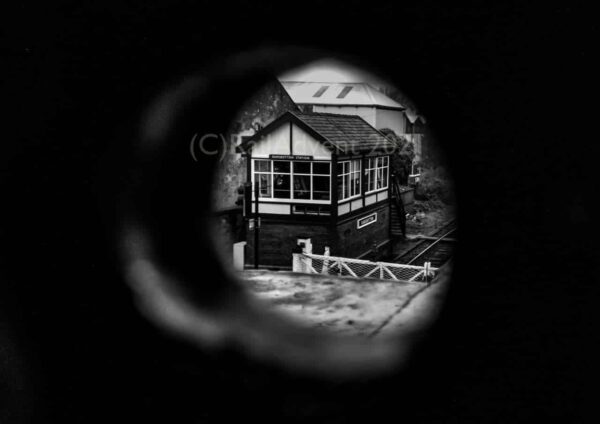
238	255
256	224
297	262
325	269
306	248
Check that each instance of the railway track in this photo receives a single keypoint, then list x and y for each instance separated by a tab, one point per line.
437	250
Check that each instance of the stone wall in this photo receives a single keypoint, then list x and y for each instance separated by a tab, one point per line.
268	104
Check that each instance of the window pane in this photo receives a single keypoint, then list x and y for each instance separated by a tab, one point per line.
344	92
324	210
372	179
355	183
321	188
321	168
262	165
301	167
379	162
301	187
346	186
385	177
320	91
281	186
379	178
385	161
281	166
264	184
340	185
298	209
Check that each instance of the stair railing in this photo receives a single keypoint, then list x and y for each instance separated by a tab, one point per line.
397	199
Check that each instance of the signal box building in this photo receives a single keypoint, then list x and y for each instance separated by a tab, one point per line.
323	177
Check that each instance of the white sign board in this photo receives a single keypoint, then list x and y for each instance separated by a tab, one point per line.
366	220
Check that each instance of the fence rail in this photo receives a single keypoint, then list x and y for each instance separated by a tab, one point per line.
332	265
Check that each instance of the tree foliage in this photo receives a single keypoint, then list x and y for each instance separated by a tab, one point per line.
435	185
402	158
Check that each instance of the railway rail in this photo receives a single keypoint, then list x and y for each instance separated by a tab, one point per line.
436	249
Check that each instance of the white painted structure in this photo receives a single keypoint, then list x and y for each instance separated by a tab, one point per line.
359	99
278	143
298	174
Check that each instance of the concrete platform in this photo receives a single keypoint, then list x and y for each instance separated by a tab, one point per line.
349	306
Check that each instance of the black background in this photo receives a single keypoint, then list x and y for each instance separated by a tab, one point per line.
507	87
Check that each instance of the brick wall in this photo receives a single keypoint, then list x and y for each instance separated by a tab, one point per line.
278	239
353	241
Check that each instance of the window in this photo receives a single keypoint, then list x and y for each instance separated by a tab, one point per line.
414	168
302	180
320	91
281	179
344	92
377	173
319	210
348	179
262	174
321	180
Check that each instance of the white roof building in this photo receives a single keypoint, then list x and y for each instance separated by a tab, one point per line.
339	94
349	98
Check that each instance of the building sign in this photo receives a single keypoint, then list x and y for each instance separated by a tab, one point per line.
367	220
290	157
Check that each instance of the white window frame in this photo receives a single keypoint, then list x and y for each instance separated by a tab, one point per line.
412	169
291	199
269	173
352	165
373	165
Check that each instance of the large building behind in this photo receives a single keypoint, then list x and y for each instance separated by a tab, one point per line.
364	100
359	99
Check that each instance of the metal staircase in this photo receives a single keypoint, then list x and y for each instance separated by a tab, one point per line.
398	214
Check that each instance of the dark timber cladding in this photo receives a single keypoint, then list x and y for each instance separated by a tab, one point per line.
323	177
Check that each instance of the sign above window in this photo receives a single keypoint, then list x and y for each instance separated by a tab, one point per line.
367	220
290	157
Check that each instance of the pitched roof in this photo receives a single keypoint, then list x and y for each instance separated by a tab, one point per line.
338	94
412	116
346	133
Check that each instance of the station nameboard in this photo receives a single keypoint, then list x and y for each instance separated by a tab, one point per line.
291	157
369	219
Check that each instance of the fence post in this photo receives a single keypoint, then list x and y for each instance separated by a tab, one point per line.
380	270
297	262
238	255
325	261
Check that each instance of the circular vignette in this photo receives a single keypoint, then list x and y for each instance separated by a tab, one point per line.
166	247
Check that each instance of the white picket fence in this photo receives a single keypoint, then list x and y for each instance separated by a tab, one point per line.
309	263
